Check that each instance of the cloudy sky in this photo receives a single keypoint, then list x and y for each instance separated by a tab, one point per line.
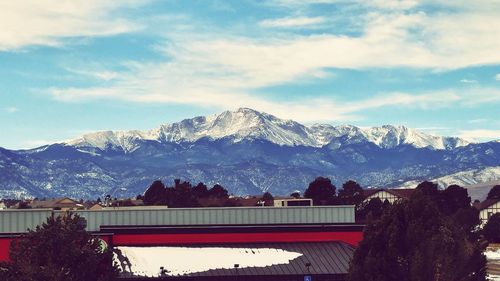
70	67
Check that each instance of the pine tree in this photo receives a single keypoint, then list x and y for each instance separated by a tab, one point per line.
415	241
321	191
351	194
59	250
491	230
155	194
268	198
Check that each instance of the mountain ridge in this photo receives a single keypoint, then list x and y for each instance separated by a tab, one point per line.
247	123
245	151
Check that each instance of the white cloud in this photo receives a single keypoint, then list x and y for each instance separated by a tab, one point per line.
223	71
46	22
292	22
383	4
11	109
480	134
468	81
497	77
97	74
479	120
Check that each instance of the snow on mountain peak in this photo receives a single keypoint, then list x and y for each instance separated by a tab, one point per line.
246	123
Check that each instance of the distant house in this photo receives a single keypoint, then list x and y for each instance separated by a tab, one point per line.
126	203
487	208
391	195
292	201
3	206
64	204
96	206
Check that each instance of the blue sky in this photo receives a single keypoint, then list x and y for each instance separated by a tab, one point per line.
72	67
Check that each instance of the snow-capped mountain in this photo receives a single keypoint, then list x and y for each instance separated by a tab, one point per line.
477	181
463	178
246	151
246	123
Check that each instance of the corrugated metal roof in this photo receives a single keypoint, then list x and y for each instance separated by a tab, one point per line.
19	221
325	258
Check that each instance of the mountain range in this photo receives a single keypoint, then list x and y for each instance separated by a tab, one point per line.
247	151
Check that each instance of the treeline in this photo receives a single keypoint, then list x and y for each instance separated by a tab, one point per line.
435	235
183	194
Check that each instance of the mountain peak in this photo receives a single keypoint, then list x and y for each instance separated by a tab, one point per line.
249	124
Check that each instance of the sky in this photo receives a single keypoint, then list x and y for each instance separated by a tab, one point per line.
77	66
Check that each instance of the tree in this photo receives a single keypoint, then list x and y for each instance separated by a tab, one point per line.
217	191
372	210
428	189
415	241
59	250
494	192
491	230
454	198
321	191
200	190
155	194
351	193
268	198
295	194
182	196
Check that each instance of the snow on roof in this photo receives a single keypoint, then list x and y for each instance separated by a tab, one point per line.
146	261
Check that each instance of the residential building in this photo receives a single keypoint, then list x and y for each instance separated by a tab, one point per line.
64	204
391	195
488	208
291	201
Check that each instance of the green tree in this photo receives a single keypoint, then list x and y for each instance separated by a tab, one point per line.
415	241
491	230
351	194
454	198
155	194
200	190
59	250
372	210
494	192
182	196
217	191
268	198
321	191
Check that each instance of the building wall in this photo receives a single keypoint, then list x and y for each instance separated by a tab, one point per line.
485	214
383	195
18	221
244	221
289	202
4	248
153	239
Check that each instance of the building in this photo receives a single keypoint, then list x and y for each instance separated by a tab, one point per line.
64	204
487	208
3	206
291	201
391	195
241	261
231	243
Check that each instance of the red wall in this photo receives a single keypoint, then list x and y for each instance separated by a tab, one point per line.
4	248
352	238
